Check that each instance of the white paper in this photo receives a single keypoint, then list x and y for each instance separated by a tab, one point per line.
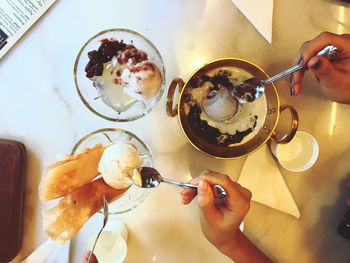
259	13
49	252
262	177
16	17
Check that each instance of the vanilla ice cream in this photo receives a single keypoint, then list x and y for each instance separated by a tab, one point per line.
221	106
142	81
117	164
109	86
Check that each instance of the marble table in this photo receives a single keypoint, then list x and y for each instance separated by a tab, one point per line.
40	107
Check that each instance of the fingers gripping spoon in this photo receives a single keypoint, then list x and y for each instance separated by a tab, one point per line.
253	88
148	177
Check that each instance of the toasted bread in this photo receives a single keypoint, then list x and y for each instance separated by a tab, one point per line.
64	220
65	176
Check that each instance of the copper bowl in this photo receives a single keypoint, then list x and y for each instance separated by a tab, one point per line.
265	133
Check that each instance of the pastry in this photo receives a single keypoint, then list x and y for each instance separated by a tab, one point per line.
63	177
63	221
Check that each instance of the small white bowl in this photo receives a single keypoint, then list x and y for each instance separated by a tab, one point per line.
299	154
111	246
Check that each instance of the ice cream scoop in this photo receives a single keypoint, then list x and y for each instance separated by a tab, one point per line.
117	164
221	106
142	81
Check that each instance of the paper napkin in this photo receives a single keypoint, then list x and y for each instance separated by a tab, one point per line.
262	177
259	13
49	252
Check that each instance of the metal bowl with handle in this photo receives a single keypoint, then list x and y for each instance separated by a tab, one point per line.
266	132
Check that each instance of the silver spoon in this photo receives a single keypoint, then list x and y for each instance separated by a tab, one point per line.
105	219
148	177
253	88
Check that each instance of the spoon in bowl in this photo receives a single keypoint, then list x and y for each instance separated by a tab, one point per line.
105	220
253	88
148	177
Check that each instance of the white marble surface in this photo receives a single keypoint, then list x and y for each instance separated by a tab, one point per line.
40	107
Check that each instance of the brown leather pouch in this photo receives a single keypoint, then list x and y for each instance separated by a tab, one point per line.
12	168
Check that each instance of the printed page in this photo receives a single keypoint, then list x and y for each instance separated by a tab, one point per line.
16	17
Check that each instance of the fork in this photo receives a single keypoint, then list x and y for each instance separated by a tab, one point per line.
105	219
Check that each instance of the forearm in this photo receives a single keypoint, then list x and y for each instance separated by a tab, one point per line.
244	251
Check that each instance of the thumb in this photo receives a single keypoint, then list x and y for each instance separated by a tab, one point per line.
322	68
206	201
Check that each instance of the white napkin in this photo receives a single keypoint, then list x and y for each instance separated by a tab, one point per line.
49	252
259	13
263	178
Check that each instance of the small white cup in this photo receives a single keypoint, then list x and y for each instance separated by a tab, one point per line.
117	226
111	246
299	154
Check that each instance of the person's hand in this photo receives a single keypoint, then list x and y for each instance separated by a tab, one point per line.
93	258
220	223
333	76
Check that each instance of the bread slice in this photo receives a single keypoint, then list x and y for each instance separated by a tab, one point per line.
64	176
64	220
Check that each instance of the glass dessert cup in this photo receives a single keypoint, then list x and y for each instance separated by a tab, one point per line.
121	107
134	196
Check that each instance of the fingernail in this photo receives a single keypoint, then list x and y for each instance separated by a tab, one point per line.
301	61
291	85
195	180
292	90
202	186
316	65
291	81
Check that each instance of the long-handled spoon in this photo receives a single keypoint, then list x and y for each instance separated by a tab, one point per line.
148	177
105	219
253	88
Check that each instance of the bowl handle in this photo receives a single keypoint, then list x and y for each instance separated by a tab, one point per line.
170	110
293	127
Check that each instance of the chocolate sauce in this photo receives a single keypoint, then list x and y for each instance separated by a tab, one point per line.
148	176
187	97
211	134
219	80
197	82
247	90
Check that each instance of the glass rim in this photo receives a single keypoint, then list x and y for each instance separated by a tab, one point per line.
77	59
101	131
